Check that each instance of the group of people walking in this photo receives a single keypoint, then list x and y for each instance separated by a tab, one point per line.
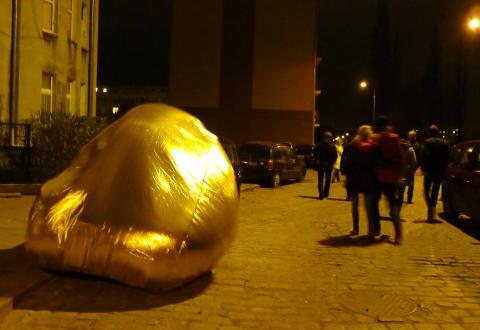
382	163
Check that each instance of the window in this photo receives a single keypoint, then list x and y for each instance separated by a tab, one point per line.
47	92
49	15
70	97
71	17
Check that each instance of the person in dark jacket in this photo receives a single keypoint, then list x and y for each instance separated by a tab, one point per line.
358	166
434	164
325	155
407	177
418	149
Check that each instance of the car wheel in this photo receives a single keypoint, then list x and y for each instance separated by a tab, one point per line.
302	175
448	211
275	181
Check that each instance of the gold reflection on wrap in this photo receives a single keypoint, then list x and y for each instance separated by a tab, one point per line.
151	201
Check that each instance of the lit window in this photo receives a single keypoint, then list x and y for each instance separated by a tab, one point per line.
71	17
49	15
105	90
47	92
115	110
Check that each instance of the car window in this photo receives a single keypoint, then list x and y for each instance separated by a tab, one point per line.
277	154
476	158
466	157
253	152
291	154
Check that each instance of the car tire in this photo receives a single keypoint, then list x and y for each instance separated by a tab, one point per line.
448	211
275	180
302	175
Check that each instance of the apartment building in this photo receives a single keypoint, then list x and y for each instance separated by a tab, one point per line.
48	57
246	68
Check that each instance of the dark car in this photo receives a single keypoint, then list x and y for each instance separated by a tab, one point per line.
231	151
270	162
461	186
305	151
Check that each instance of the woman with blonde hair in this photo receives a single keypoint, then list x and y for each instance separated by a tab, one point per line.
359	167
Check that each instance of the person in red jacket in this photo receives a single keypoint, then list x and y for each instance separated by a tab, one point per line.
389	166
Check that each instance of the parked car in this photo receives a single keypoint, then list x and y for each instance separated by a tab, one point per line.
231	150
461	186
305	151
270	162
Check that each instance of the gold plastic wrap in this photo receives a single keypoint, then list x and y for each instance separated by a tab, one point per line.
151	202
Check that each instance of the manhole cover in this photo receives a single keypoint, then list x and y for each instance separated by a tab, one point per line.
374	303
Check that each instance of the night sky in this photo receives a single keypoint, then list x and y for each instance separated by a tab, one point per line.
133	42
345	39
134	49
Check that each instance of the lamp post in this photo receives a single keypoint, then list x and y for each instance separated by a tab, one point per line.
364	86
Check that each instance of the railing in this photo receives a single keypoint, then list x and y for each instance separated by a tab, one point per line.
15	150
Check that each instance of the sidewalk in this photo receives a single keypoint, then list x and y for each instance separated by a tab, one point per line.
18	272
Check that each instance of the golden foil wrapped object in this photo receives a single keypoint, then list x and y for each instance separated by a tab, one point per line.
151	201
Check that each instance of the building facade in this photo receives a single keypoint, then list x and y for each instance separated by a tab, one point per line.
246	68
48	57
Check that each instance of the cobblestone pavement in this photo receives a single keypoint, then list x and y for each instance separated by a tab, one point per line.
291	265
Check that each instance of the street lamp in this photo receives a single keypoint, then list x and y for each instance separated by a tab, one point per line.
364	86
474	24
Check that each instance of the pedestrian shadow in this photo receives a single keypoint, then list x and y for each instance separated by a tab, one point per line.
338	199
308	197
430	222
348	240
469	226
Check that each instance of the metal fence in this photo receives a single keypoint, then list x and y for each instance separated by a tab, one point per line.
15	152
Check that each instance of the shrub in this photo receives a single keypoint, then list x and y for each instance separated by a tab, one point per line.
56	139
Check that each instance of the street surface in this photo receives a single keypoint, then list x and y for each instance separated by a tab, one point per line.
291	266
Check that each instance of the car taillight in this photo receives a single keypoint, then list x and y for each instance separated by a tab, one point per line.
270	164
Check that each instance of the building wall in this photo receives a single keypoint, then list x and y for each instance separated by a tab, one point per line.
195	49
5	49
252	85
66	57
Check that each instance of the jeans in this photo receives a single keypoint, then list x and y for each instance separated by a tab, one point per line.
431	184
324	175
390	191
410	190
369	200
336	175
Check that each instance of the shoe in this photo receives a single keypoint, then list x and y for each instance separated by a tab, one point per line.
353	232
409	201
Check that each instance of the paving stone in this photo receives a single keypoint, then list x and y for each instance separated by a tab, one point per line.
288	264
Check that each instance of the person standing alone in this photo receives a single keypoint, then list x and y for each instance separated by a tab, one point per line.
336	164
434	164
325	155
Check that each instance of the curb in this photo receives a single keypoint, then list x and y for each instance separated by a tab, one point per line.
17	189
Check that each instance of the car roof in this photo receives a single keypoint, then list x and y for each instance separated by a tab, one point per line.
467	143
269	143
